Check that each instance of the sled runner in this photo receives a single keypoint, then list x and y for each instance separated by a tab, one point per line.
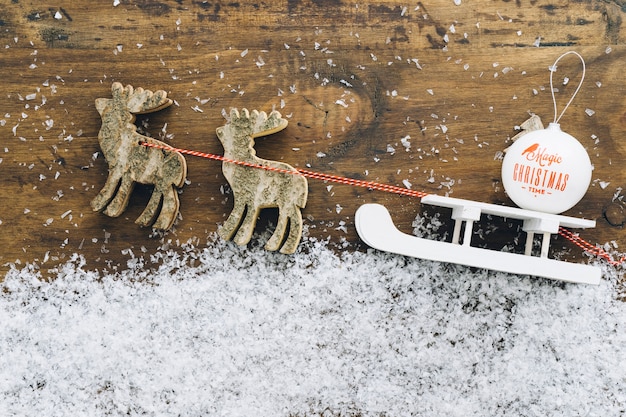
375	227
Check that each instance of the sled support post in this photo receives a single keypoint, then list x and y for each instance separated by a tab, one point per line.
545	245
528	250
545	226
467	214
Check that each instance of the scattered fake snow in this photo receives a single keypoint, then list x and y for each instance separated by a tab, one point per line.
229	331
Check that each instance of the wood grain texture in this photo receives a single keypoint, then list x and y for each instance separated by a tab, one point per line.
427	94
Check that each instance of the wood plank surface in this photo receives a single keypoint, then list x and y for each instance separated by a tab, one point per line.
427	93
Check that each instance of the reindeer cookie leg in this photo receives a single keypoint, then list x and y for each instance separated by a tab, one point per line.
169	209
107	193
295	232
293	219
172	174
290	213
146	218
244	234
167	215
279	233
228	229
120	201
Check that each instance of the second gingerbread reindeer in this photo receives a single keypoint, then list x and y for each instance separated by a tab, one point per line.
278	185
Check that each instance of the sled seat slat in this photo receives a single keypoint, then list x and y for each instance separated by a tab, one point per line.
534	222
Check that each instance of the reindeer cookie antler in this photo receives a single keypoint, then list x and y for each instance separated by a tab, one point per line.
256	189
130	162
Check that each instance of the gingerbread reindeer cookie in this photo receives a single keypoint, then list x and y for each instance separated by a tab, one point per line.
131	162
255	189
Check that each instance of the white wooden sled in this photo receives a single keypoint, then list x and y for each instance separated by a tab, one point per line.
375	227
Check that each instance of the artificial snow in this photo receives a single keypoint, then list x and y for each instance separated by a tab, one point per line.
221	330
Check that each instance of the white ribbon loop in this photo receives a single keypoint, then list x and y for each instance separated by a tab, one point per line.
552	71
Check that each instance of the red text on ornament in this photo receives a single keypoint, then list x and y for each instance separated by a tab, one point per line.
538	154
537	190
539	178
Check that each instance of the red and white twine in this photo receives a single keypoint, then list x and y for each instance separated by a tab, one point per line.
567	234
310	174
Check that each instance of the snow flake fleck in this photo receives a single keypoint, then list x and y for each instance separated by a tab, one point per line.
406	142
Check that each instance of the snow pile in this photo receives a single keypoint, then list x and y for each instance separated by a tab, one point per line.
226	331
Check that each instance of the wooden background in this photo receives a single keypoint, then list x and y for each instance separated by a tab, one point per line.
354	78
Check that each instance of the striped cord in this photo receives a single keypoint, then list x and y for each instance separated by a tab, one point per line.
565	233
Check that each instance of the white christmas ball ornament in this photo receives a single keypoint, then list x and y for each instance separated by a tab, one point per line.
546	170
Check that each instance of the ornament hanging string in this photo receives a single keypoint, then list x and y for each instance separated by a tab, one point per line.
580	83
572	237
